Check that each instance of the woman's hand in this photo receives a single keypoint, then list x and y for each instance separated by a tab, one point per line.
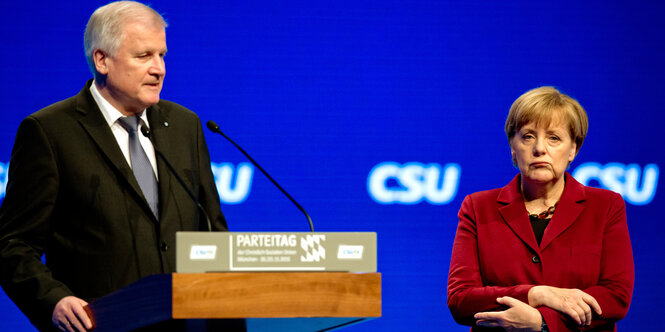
572	302
518	317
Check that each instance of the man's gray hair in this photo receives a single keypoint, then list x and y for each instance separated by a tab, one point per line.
105	29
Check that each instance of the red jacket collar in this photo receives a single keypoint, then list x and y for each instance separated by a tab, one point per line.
514	212
572	192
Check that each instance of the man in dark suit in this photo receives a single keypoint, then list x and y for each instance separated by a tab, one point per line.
86	189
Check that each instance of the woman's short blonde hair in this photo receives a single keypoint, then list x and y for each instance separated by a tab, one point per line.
541	105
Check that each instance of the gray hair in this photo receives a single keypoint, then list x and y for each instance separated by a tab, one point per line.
105	29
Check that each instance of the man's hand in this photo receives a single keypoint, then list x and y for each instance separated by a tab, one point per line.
518	317
572	302
70	316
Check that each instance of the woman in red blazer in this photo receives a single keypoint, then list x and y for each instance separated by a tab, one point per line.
544	252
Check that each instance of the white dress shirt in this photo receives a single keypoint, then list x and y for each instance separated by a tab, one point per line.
111	114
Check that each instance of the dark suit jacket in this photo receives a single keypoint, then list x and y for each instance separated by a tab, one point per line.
72	195
585	246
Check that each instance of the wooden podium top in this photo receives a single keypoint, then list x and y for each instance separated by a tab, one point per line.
285	294
288	295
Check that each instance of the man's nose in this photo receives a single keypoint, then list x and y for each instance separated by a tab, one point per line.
157	66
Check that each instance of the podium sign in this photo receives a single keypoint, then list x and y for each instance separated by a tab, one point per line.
199	252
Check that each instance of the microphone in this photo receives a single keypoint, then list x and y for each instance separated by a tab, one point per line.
215	129
147	133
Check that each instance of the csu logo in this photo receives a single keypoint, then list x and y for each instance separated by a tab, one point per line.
623	179
233	183
392	183
4	174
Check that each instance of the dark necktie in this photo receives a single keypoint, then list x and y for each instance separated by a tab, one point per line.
141	166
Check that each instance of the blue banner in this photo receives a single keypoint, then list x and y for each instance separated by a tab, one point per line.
382	116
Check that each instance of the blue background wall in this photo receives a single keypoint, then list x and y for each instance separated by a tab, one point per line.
324	94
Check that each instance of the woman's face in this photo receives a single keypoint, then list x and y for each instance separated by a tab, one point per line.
543	153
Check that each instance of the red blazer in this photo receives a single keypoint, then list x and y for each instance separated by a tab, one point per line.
585	246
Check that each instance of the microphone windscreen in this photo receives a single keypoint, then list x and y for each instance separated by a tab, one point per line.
212	126
145	131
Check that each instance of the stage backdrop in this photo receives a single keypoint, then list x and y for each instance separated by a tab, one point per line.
382	116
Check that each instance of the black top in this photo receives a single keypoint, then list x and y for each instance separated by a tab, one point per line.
539	226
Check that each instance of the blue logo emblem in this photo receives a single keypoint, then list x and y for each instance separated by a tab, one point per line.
637	186
233	183
4	175
411	183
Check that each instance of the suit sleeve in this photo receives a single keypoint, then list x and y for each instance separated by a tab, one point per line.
614	289
25	216
617	276
209	197
467	294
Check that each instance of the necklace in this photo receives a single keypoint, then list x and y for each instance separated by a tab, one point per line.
544	214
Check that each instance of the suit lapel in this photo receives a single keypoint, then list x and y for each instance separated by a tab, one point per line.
568	209
95	125
514	213
160	136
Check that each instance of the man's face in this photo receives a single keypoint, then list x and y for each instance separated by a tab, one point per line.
135	74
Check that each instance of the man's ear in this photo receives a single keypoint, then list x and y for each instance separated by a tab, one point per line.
101	61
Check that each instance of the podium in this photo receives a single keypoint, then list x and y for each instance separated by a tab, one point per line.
268	301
